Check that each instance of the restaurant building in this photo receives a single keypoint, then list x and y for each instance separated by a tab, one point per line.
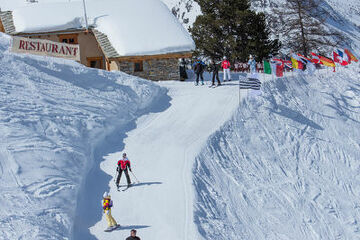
119	35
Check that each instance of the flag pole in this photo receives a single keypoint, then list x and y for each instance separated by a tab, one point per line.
86	20
239	92
264	70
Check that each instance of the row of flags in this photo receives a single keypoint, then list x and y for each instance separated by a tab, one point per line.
301	62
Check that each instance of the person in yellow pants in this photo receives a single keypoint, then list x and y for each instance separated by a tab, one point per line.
107	205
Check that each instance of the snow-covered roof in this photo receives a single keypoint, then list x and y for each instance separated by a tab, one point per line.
133	27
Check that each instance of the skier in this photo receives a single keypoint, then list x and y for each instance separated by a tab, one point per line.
123	166
107	205
214	69
252	64
133	235
199	67
226	67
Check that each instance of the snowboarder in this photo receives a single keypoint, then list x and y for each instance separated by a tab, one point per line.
133	235
107	205
199	67
252	64
123	165
226	67
214	69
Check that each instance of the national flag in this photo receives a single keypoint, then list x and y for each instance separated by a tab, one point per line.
310	65
341	58
279	63
279	70
304	59
327	61
267	67
315	58
250	83
297	64
323	60
350	55
288	63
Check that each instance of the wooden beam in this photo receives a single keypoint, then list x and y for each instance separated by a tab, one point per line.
2	29
69	31
151	57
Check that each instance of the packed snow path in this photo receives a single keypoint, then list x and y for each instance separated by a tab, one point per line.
162	149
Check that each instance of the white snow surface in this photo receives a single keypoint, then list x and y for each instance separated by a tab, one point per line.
187	10
53	115
134	27
287	164
162	149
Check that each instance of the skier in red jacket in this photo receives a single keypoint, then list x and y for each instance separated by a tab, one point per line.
123	166
226	67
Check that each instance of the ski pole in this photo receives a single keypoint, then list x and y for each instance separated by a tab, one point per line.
135	177
116	173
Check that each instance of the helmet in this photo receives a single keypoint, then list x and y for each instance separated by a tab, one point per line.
106	195
224	57
251	56
124	154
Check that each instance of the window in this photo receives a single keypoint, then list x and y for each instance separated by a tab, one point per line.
95	62
69	38
138	66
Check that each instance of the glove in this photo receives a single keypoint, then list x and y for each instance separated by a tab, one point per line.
130	169
117	169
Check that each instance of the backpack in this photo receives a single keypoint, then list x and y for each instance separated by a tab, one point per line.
107	204
199	67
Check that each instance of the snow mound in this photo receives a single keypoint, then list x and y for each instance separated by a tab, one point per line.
53	113
286	166
130	25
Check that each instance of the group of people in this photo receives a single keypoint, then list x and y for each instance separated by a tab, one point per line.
199	68
123	165
245	67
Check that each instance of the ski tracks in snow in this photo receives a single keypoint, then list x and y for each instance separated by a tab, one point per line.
294	156
163	148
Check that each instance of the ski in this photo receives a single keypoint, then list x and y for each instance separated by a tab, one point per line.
110	229
126	187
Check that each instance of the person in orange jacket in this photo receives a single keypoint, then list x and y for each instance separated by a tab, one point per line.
226	67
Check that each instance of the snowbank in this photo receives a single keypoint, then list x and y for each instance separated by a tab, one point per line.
141	27
287	165
53	114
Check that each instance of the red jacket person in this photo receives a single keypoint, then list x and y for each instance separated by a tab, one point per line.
123	165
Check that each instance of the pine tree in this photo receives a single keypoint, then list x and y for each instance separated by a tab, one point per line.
229	28
302	26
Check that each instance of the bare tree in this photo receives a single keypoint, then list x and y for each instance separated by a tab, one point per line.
301	24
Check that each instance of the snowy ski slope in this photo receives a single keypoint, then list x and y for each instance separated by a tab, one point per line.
53	114
162	149
287	165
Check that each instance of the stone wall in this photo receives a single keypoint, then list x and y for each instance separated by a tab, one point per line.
154	69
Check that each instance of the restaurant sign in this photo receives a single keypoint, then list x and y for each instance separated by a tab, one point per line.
45	48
